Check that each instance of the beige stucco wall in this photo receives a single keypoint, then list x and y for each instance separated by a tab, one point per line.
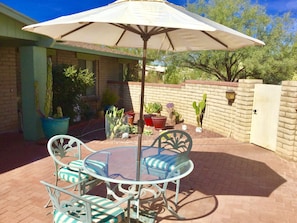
287	128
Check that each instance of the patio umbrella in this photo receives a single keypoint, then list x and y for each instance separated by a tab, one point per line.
153	24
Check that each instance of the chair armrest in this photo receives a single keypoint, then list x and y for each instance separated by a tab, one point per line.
78	197
178	168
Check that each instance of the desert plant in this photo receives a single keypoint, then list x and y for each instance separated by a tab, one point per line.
173	115
48	104
200	109
115	124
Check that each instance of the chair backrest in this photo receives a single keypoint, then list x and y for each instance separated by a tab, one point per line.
65	148
70	207
177	140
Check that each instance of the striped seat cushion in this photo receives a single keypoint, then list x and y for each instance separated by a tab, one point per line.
98	214
161	161
71	174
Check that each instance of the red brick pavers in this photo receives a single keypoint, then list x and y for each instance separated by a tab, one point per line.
238	182
231	182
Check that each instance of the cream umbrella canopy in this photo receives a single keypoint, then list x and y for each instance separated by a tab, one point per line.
153	24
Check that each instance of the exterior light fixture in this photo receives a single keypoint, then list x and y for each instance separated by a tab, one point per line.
230	95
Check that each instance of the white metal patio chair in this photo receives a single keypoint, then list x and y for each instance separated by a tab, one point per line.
69	207
163	163
67	154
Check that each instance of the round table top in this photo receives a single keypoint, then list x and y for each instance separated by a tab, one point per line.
122	166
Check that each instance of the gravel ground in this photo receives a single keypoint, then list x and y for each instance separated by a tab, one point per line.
94	130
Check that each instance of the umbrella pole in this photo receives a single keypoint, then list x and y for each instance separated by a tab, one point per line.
140	123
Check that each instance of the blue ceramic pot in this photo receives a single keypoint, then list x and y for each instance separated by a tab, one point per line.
55	126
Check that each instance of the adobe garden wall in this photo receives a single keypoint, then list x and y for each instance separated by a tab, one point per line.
230	121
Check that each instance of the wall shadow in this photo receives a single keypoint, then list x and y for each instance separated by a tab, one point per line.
218	173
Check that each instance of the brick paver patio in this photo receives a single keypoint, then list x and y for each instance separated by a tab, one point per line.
231	182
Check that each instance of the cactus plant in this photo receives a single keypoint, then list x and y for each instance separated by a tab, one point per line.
48	104
115	125
59	113
200	109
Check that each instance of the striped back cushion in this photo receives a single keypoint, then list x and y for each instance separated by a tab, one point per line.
161	161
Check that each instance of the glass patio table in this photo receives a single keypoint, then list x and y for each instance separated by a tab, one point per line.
121	169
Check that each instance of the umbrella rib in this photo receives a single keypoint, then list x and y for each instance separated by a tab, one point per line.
123	33
170	41
78	28
127	27
217	40
140	31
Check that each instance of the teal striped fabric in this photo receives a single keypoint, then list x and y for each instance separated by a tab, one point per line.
161	161
98	214
71	176
71	173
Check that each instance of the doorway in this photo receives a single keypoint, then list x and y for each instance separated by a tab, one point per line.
265	115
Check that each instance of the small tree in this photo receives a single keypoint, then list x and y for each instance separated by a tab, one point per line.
274	62
69	83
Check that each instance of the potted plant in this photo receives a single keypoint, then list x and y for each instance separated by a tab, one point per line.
63	86
151	109
174	116
130	116
159	121
199	110
52	124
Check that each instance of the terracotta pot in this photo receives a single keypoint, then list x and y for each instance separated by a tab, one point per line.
159	122
130	119
148	119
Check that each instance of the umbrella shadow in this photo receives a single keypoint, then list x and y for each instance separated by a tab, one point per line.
207	205
93	129
218	173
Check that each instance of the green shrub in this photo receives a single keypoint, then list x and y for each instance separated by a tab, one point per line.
69	83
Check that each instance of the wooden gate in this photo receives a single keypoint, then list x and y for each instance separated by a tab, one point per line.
265	115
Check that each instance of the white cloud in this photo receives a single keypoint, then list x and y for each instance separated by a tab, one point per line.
292	5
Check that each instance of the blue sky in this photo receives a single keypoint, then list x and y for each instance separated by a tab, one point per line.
41	10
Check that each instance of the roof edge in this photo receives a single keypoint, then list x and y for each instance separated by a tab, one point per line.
16	15
99	52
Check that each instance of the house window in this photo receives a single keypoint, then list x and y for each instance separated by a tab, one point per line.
91	66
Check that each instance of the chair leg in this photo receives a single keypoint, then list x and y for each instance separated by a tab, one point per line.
56	183
47	203
177	182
